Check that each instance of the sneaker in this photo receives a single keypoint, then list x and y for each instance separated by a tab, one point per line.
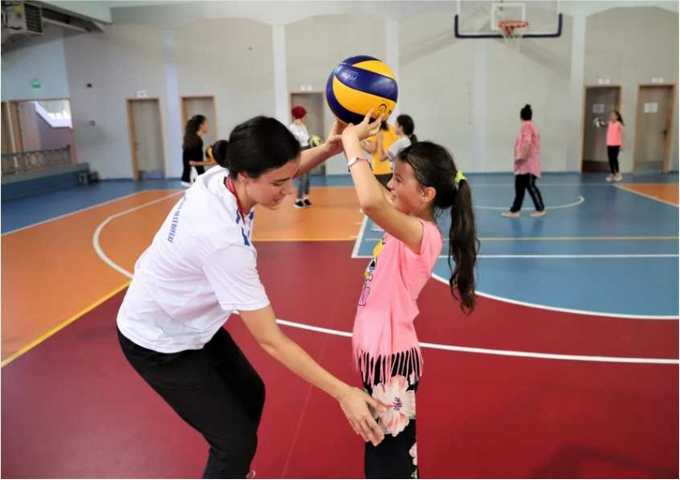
537	213
618	177
610	178
510	214
307	202
299	204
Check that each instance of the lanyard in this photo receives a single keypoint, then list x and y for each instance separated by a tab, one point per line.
230	186
246	235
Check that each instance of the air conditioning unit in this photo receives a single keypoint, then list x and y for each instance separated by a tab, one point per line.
21	17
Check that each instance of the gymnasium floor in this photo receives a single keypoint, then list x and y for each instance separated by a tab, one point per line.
568	367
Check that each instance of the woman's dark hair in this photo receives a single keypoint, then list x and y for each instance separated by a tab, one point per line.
434	167
257	145
219	151
526	113
619	117
191	137
407	125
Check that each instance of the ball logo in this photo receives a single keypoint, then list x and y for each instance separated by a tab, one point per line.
348	76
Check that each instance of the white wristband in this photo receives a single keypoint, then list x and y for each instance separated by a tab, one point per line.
355	160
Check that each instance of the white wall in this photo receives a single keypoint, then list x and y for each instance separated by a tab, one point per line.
619	47
39	58
118	63
231	59
316	45
465	94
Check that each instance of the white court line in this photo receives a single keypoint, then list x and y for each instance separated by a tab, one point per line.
355	254
357	242
498	352
579	201
434	346
650	197
566	255
97	233
565	310
53	219
594	184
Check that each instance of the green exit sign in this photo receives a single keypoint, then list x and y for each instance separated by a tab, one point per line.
35	83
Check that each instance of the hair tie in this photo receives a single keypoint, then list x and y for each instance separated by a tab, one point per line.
459	176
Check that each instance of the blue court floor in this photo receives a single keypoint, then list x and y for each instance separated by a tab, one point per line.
599	250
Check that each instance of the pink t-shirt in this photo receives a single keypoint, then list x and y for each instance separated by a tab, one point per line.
527	140
384	324
614	130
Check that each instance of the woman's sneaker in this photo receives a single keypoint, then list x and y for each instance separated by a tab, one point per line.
610	178
537	213
307	202
618	177
299	203
510	214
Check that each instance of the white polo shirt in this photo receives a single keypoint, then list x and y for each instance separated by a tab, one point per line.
200	267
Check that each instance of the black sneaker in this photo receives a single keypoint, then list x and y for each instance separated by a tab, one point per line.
299	204
307	202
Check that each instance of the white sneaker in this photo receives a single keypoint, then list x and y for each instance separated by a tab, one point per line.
618	177
510	214
610	178
537	213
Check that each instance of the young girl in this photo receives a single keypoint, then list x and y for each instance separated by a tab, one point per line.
425	182
527	166
614	144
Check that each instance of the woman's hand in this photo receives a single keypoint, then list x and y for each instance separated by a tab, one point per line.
356	406
334	142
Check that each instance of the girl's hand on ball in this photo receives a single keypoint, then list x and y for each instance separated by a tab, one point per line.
366	128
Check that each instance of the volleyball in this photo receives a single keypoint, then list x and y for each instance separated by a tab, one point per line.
359	84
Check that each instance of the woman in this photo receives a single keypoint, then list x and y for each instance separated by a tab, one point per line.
201	267
192	147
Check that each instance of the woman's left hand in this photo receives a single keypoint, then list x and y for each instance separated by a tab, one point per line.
334	142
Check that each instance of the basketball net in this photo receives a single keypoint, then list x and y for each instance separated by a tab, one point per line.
512	31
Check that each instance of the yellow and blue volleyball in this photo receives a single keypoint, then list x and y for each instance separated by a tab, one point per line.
359	84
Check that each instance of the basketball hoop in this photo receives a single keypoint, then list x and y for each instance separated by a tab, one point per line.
512	30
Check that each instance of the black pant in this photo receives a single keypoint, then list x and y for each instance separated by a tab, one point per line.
396	455
186	171
526	182
613	154
384	178
215	390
